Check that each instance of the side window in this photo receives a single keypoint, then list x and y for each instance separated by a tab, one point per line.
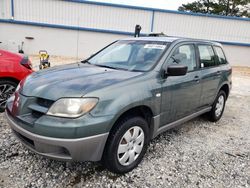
207	56
221	55
185	55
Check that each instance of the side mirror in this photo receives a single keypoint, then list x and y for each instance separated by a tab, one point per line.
176	70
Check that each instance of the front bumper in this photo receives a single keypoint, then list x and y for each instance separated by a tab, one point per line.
79	149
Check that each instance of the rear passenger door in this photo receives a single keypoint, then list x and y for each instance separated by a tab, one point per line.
210	73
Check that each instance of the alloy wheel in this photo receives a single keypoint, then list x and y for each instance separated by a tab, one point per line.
6	90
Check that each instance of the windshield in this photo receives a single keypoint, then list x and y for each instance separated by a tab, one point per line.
130	55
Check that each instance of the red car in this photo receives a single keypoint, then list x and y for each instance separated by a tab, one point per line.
13	68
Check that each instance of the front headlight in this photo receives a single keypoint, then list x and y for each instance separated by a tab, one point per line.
72	107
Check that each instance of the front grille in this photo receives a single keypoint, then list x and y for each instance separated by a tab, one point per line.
40	107
44	102
36	114
33	108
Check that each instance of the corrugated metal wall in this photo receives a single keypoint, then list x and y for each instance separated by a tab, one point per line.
5	9
81	28
96	16
82	15
59	42
203	27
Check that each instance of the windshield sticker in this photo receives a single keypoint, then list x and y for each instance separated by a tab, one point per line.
155	46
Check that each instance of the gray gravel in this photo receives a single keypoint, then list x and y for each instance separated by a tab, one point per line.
197	154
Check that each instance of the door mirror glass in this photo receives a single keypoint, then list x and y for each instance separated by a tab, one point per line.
176	70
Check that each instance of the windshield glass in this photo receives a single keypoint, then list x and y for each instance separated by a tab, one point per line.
130	55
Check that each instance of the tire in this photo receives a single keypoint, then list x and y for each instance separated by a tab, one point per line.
215	115
7	88
129	125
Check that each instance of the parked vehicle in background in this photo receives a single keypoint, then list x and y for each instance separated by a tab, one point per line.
13	68
111	105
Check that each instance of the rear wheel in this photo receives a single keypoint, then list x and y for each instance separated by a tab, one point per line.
218	107
126	145
7	88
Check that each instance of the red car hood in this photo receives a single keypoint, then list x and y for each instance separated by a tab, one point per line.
6	56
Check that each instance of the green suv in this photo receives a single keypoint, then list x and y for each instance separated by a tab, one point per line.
108	107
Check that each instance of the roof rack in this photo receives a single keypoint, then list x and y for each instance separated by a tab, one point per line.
157	35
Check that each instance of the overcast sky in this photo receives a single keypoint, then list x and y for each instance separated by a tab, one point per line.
163	4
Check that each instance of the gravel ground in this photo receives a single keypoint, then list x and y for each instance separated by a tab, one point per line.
197	154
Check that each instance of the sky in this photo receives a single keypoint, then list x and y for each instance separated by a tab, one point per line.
162	4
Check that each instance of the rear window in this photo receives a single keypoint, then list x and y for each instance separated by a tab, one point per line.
207	56
220	55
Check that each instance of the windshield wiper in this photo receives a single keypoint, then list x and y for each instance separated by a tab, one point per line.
135	70
106	66
85	61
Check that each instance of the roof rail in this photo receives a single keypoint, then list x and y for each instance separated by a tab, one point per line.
157	35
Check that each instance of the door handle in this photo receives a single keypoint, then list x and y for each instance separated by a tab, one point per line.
218	72
197	79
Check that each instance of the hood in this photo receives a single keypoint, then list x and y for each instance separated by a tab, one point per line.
73	80
9	57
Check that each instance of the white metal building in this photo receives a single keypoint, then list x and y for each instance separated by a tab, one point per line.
78	28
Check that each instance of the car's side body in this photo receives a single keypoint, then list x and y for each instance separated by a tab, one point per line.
163	101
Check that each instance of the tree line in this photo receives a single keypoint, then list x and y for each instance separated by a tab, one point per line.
239	8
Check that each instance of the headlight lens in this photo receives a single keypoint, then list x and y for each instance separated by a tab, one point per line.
72	107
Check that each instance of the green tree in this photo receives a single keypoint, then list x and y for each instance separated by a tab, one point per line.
221	7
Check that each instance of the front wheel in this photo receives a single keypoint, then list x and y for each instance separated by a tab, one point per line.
126	145
7	88
218	107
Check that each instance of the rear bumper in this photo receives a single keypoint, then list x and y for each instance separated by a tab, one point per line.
80	149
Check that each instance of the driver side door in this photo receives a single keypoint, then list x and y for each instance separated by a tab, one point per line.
181	94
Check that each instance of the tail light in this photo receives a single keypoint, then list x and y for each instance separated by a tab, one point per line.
26	63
